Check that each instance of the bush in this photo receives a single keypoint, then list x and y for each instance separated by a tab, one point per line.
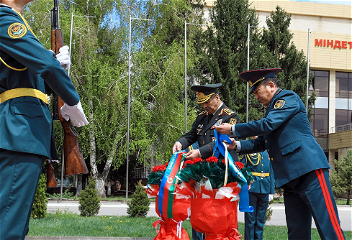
39	205
65	195
89	201
341	177
139	205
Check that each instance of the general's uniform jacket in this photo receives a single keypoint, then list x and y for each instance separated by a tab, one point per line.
285	133
26	122
260	165
203	132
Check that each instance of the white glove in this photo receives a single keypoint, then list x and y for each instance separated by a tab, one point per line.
64	57
75	114
271	197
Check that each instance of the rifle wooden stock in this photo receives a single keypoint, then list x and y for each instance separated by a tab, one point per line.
73	158
50	176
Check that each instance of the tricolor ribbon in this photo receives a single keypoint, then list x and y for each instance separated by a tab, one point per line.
220	147
167	186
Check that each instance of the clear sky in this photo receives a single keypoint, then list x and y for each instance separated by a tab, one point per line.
344	2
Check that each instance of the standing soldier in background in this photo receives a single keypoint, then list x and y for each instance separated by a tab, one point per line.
261	192
215	113
25	119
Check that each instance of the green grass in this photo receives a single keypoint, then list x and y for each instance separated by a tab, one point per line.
71	224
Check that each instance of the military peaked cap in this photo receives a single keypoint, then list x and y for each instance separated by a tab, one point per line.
254	77
204	92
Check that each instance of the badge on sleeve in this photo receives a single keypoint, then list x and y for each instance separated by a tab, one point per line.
17	30
279	104
233	121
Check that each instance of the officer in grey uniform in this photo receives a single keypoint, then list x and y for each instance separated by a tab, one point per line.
215	113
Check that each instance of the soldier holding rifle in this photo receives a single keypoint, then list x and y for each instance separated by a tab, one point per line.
25	119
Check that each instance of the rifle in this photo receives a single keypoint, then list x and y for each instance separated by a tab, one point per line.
50	176
73	158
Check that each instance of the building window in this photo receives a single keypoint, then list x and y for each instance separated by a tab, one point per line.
320	123
343	85
321	83
343	99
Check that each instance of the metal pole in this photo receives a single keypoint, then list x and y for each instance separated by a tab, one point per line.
307	72
69	67
62	174
248	40
185	77
129	106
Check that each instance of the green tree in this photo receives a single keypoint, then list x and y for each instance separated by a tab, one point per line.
158	80
100	73
341	179
139	205
278	38
89	201
225	41
40	200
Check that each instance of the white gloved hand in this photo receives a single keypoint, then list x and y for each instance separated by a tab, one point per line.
64	57
271	197
75	114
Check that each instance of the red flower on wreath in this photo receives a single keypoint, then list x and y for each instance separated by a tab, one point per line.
197	160
188	162
212	159
159	168
239	165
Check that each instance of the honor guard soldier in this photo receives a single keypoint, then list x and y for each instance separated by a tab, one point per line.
261	192
26	125
300	165
215	113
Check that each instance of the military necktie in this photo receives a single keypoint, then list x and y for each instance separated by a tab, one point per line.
210	116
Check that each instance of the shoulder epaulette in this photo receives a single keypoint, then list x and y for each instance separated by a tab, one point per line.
204	112
228	111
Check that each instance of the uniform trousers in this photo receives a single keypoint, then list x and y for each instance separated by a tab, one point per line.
254	221
311	196
197	235
19	175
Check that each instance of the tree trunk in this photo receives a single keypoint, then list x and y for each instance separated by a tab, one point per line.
348	197
100	186
100	178
79	185
109	189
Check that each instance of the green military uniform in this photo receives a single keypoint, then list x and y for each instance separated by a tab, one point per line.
25	119
260	188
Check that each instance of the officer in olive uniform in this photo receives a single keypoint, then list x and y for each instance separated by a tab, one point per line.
26	127
203	127
300	165
260	189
